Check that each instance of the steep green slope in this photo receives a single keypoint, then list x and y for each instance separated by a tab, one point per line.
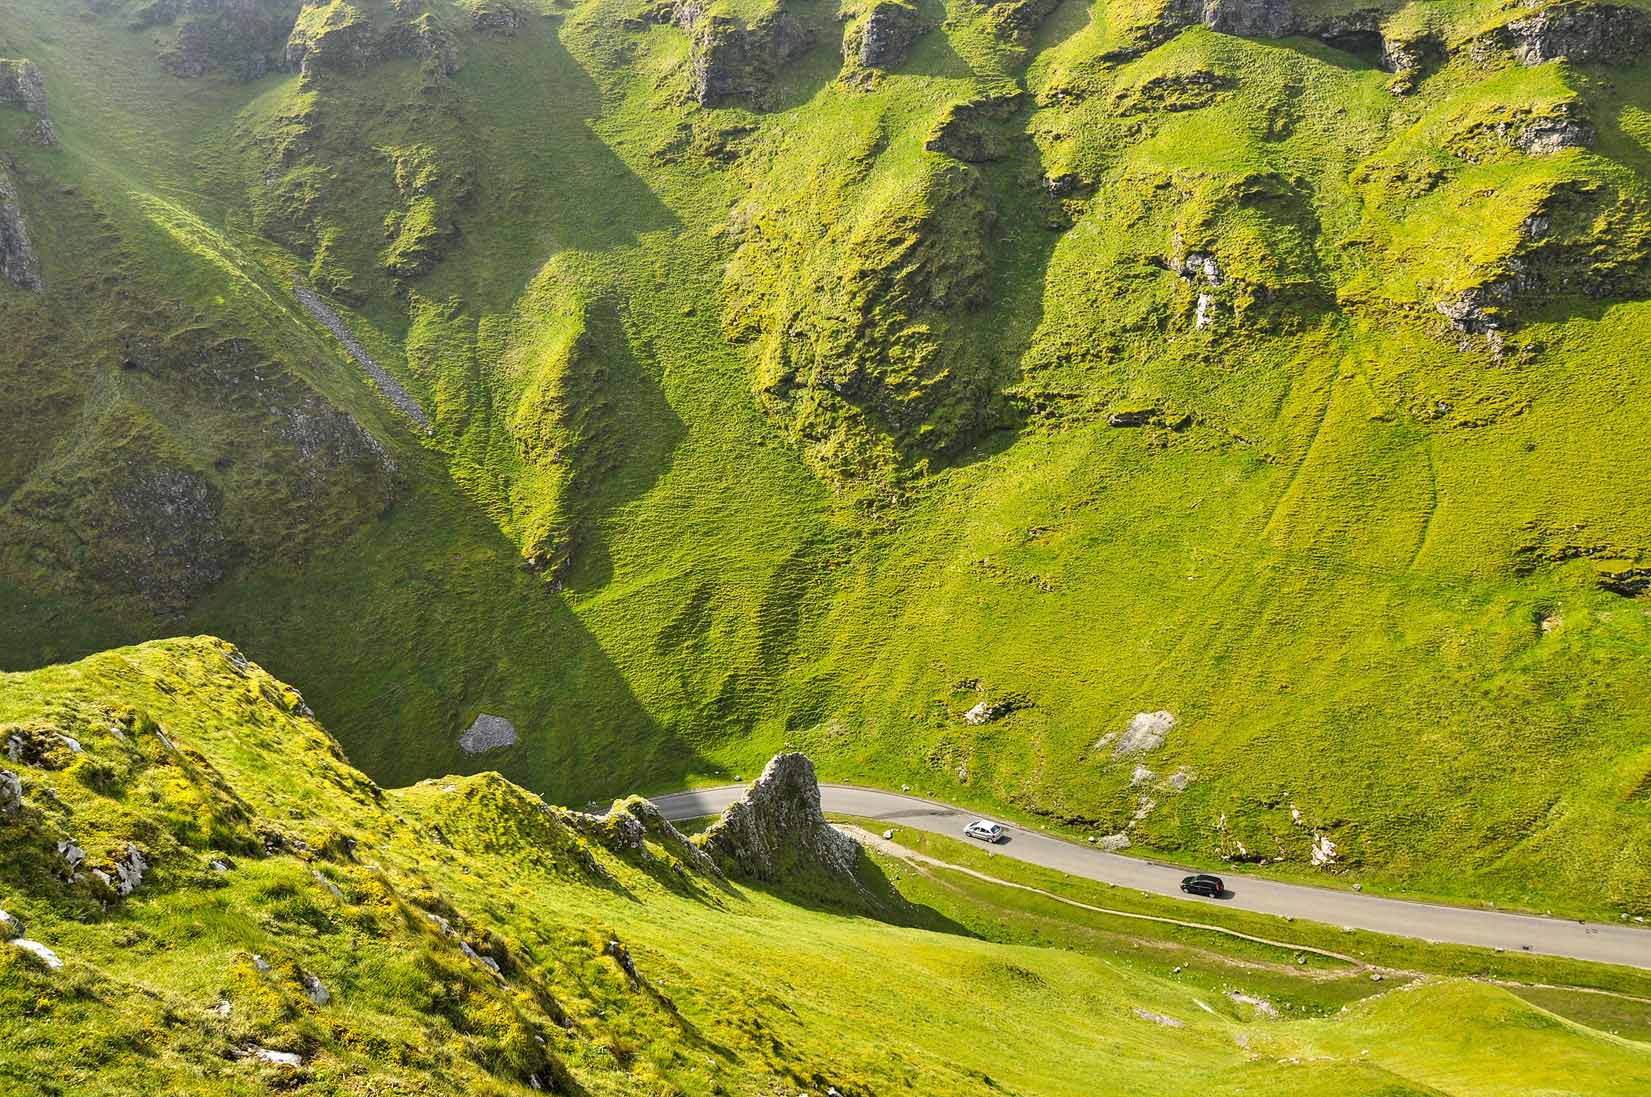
226	906
945	389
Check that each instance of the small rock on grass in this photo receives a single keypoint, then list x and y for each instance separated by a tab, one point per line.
71	853
129	870
1158	1018
488	732
39	952
11	793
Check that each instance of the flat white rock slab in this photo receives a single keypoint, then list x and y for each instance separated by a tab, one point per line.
489	732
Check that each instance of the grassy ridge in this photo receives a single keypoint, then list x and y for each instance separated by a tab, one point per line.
267	850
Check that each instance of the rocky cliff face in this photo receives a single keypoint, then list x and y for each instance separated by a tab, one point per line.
778	830
347	40
241	38
1582	33
17	260
491	17
731	60
246	39
631	824
114	498
1249	18
881	38
22	85
1583	238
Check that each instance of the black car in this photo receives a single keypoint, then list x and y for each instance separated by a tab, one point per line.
1204	884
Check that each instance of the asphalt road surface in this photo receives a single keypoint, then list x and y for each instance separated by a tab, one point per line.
1604	943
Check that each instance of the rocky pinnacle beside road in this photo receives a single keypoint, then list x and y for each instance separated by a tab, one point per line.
1598	942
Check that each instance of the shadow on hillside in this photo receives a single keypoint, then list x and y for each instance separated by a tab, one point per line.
1029	225
645	432
427	618
548	182
932	54
802	78
1352	52
880	900
1615	142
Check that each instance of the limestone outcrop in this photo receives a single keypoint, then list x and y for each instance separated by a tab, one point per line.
1575	30
11	802
497	19
240	38
22	85
1250	18
1579	238
1409	59
883	35
1566	128
631	823
729	59
777	829
1578	32
18	263
247	39
344	40
1017	20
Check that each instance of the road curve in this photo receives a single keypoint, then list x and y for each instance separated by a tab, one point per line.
1599	942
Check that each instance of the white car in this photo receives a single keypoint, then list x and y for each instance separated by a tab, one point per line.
988	832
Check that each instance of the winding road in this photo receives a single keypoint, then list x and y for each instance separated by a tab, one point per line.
1599	942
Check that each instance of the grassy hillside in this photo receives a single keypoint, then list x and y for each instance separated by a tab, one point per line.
1053	363
297	927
